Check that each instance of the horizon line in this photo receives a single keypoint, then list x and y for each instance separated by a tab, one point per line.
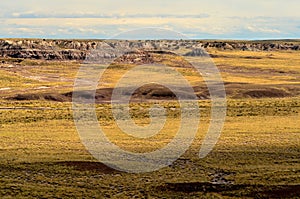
153	39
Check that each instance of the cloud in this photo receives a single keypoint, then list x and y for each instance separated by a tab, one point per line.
217	19
84	15
263	30
205	28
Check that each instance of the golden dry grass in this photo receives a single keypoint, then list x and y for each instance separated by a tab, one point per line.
41	154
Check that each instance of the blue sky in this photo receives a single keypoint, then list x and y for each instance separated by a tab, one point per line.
196	19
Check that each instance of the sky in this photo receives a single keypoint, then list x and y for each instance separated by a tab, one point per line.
193	19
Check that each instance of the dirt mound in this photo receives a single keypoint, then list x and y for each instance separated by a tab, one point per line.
159	92
266	93
144	93
41	96
154	92
246	90
101	95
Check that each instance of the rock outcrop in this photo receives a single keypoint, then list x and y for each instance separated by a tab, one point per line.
79	49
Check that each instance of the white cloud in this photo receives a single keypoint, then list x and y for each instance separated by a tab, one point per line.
32	14
196	18
263	30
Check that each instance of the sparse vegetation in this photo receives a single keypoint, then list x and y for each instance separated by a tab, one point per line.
257	155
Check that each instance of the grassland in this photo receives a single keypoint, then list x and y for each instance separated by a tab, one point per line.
257	155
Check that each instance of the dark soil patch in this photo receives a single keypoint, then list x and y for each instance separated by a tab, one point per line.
281	191
189	187
252	57
89	166
256	191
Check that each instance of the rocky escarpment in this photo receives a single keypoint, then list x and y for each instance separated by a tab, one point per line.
78	49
